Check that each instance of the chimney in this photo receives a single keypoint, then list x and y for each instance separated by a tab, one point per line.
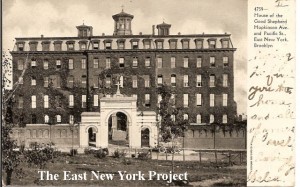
141	33
103	34
42	36
153	29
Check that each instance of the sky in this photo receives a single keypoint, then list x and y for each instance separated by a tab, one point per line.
55	18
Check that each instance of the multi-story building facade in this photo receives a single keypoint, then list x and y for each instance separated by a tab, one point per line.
65	76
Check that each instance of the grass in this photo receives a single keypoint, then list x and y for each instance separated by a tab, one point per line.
206	174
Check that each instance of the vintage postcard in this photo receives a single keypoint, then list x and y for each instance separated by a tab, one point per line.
148	93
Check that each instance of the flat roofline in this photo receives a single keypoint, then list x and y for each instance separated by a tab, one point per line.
126	36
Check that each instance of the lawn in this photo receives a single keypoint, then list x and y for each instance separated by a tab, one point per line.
206	174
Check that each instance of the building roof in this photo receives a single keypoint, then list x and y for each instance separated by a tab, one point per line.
122	14
163	25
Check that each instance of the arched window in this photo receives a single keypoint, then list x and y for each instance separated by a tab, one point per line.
46	117
58	118
198	118
211	118
185	116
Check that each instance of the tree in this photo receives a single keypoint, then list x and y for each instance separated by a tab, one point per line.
170	129
10	157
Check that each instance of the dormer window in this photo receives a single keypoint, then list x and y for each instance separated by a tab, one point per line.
147	44
57	45
199	43
173	43
33	46
159	44
185	44
135	44
212	44
45	45
107	44
82	45
95	44
21	46
225	43
70	46
121	44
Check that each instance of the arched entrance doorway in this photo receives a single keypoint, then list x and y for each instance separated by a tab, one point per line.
145	137
118	129
92	136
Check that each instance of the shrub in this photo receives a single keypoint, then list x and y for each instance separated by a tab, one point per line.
39	157
126	161
143	155
119	154
101	153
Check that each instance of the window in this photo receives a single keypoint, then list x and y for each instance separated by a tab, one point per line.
71	119
82	46
96	81
173	117
185	116
20	46
173	62
172	99
199	120
199	99
134	96
225	99
212	44
58	118
57	46
225	61
211	118
212	61
185	81
108	81
212	80
33	121
46	119
185	44
121	81
147	100
225	80
147	62
83	101
83	80
46	101
134	81
20	80
70	46
33	63
71	100
199	81
96	63
224	118
159	62
107	63
70	81
185	100
186	62
54	80
107	45
147	81
20	64
20	102
134	62
147	44
33	101
46	64
199	62
96	99
33	81
121	62
211	100
173	44
83	63
159	80
58	64
58	101
45	46
159	45
199	44
135	45
173	80
95	45
159	99
225	43
121	45
71	64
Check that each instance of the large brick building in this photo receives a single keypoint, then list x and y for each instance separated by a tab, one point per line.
66	76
